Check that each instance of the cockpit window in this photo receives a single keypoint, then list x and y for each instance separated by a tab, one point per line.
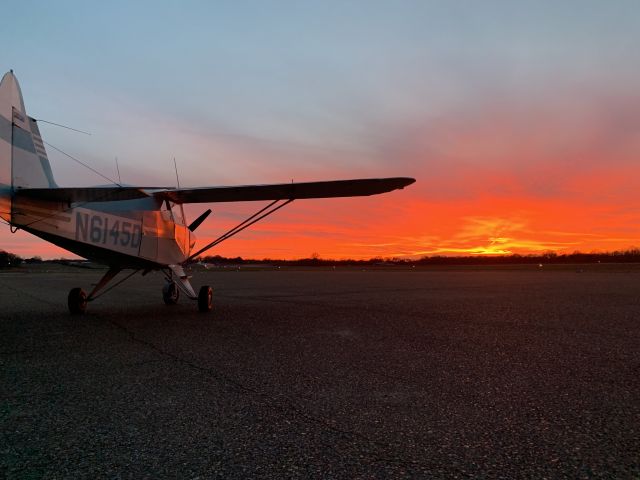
165	211
178	213
172	212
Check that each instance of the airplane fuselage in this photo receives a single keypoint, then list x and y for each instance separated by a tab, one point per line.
129	233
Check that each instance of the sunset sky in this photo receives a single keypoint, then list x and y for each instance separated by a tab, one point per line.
519	120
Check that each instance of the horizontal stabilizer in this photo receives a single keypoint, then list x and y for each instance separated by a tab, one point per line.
335	188
84	195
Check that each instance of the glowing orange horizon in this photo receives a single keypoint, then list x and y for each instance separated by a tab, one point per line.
402	225
502	179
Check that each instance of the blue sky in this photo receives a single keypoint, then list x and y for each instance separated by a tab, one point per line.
323	74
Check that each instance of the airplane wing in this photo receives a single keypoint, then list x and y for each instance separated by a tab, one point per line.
243	193
286	191
84	195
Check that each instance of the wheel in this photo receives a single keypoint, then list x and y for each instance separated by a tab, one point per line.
77	301
205	298
170	293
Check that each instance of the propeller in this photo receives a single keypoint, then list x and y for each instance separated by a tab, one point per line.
196	223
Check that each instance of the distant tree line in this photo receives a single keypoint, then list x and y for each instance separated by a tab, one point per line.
631	255
618	256
9	259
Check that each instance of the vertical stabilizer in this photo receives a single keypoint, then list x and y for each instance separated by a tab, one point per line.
23	158
9	95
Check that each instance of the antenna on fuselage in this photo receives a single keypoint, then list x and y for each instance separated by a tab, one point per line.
175	165
118	169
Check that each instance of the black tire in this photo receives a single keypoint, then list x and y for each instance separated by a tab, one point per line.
170	293
77	301
205	298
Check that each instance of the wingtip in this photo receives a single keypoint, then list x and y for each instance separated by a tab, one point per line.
406	181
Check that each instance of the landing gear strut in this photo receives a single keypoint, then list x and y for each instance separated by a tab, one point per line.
78	299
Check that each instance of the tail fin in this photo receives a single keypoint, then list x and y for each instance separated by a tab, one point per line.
23	158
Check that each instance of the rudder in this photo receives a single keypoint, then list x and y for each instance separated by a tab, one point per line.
23	157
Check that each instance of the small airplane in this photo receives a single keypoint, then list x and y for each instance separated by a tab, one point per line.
128	227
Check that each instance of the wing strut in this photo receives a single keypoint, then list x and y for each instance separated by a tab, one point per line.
256	217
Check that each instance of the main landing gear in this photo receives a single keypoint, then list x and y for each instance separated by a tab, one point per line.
205	298
78	299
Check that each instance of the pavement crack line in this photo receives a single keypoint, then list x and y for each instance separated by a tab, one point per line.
279	404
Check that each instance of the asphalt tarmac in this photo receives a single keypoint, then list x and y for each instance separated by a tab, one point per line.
450	373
